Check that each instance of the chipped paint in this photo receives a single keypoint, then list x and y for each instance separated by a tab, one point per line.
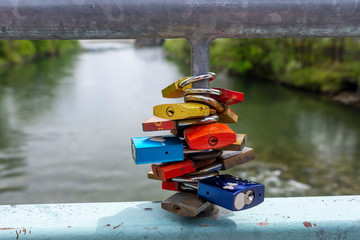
207	225
307	224
262	224
118	226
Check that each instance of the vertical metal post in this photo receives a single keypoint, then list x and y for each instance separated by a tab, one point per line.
200	60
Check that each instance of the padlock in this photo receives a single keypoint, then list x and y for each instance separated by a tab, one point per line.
231	159
204	163
230	192
228	97
205	100
238	145
173	169
209	136
175	90
157	149
177	186
199	156
228	116
185	204
194	178
152	176
208	169
224	96
178	111
159	124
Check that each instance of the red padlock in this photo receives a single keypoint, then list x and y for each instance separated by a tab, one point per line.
228	97
172	186
158	124
174	169
209	136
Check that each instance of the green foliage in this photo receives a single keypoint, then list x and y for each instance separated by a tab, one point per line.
18	51
178	49
317	64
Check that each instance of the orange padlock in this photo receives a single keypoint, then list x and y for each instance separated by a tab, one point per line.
170	170
210	136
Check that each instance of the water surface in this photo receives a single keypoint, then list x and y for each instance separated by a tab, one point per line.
66	124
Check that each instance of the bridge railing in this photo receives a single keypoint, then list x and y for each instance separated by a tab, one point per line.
199	21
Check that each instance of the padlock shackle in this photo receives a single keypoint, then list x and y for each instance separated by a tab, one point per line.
197	121
205	100
208	169
202	91
207	76
194	178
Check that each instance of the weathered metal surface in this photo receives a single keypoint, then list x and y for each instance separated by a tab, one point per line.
192	19
276	218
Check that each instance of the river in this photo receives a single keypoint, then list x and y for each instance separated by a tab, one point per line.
66	124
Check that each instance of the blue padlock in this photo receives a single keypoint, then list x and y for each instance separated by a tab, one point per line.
157	149
230	192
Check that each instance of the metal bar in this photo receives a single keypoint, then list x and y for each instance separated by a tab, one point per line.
200	60
276	218
192	19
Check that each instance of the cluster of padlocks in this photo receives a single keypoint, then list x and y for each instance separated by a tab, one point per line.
200	146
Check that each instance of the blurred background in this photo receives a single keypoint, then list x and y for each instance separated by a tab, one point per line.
68	110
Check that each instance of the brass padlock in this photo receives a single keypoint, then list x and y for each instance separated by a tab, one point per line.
238	145
231	159
177	111
228	116
175	90
185	204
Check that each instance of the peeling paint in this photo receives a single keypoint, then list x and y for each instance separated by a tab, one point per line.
262	223
307	224
207	225
118	226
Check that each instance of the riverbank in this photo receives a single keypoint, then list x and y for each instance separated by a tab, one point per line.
327	66
20	51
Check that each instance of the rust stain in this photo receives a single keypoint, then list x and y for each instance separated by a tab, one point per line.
24	230
307	224
262	223
154	228
118	226
17	234
207	225
68	226
108	225
7	228
315	225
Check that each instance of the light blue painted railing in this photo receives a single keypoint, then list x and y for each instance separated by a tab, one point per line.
276	218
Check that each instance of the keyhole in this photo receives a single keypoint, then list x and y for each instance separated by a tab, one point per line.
213	141
177	209
170	111
249	197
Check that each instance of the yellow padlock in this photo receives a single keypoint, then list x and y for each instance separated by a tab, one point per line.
174	91
228	116
177	111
